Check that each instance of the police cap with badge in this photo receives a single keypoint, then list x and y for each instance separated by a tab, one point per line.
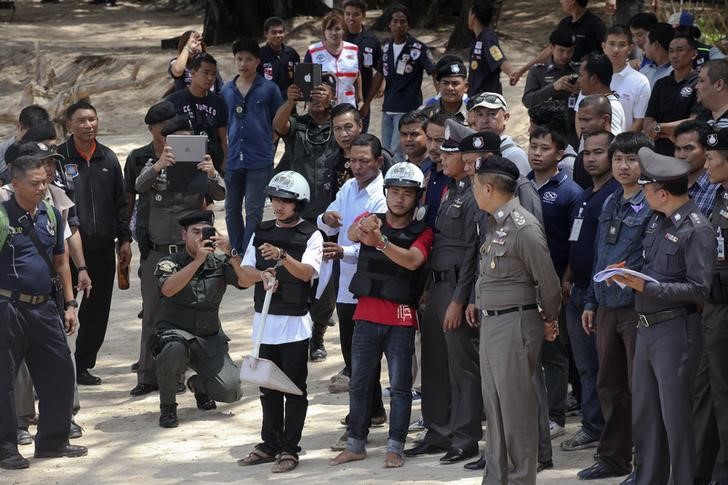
454	133
660	168
717	141
455	67
198	217
484	141
499	165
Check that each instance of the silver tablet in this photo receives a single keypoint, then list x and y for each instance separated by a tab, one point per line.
188	148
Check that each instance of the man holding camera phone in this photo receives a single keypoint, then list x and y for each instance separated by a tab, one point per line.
166	209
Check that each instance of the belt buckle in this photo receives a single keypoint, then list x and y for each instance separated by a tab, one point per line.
172	248
644	321
485	313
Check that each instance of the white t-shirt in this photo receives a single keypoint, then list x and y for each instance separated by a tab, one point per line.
633	89
618	122
284	329
397	48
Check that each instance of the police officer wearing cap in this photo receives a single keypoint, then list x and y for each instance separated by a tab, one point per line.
452	83
187	328
712	431
166	208
519	295
449	343
679	254
31	255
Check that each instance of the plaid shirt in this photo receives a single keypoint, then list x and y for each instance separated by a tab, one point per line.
703	193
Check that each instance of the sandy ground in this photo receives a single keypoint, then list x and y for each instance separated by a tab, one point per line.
125	443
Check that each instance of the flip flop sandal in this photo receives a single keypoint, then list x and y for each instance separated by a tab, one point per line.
256	457
285	462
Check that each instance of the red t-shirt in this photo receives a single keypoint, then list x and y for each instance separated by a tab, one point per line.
387	312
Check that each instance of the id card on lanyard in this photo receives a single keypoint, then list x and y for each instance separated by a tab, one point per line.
721	244
576	226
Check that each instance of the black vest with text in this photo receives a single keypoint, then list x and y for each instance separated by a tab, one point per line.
380	277
293	296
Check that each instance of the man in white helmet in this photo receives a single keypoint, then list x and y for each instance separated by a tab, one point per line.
388	283
287	249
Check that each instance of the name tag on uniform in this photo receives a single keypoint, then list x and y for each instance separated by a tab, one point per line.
499	242
401	65
613	231
572	102
721	245
724	213
576	229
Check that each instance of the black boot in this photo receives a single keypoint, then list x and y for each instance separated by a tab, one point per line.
168	415
316	347
204	402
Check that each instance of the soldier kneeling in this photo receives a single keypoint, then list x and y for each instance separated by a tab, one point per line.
187	328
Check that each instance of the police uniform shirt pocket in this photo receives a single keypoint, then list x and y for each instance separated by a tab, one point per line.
498	263
670	250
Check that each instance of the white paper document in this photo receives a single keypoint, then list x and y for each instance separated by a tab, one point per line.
605	274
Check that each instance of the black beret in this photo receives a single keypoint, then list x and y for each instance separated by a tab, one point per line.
159	112
43	130
717	141
499	165
660	168
562	36
198	217
178	123
454	68
484	141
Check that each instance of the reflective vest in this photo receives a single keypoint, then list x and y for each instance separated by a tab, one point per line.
345	67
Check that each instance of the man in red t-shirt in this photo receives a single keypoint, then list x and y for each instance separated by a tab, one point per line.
388	284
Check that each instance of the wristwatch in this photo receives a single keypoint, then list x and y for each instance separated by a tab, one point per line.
70	303
382	245
233	252
81	268
656	128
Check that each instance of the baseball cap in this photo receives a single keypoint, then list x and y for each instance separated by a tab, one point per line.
488	100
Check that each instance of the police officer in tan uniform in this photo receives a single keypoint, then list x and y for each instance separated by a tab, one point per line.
519	294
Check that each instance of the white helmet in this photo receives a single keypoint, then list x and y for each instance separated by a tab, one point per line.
289	185
404	174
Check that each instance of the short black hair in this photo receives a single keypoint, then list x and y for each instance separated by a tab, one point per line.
598	102
619	29
702	128
360	4
369	140
557	137
551	114
23	164
32	114
502	183
438	119
483	11
674	187
583	3
600	66
273	22
661	33
411	118
197	61
629	143
345	108
688	38
398	8
717	70
77	106
642	20
246	44
610	136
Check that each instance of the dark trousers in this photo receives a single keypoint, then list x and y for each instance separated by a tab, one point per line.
710	406
35	332
283	424
555	361
616	335
345	312
665	362
93	314
322	309
151	297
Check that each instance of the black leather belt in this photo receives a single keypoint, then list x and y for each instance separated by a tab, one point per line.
22	297
649	319
495	313
167	248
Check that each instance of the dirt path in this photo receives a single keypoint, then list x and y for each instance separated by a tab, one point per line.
125	443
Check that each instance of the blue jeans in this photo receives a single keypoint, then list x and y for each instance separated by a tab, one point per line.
249	184
369	342
584	348
390	134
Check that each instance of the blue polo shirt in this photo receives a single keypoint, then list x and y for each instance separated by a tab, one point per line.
581	254
21	266
559	197
403	91
250	123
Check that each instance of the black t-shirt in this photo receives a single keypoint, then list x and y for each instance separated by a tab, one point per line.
278	66
588	32
370	54
671	100
135	162
718	124
486	58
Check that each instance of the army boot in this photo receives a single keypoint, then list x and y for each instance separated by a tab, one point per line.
168	415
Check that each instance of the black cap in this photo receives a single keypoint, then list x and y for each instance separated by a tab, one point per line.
562	36
454	133
178	123
43	130
329	79
37	150
660	168
198	217
717	141
454	68
484	141
159	112
499	165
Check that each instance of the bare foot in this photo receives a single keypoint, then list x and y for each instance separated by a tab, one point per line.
393	460
346	456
